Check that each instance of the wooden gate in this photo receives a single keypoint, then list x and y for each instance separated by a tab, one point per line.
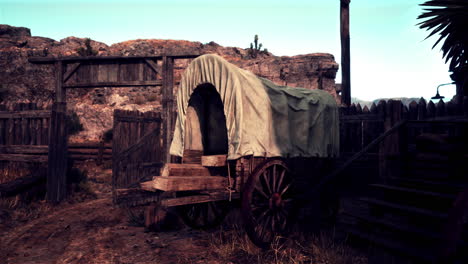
137	152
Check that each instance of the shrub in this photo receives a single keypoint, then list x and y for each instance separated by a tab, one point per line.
87	50
152	97
108	135
74	125
3	92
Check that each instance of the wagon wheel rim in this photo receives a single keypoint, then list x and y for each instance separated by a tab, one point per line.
268	203
204	215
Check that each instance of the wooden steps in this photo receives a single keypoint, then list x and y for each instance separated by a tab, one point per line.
185	183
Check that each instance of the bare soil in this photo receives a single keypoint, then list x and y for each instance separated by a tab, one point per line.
88	228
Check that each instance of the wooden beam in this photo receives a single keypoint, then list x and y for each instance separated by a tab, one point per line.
345	54
57	158
49	60
25	114
214	160
185	183
168	104
203	198
24	149
19	185
114	84
73	68
23	158
152	65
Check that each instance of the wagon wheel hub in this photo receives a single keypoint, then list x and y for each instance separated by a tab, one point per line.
275	201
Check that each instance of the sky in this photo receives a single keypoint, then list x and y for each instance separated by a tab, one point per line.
389	56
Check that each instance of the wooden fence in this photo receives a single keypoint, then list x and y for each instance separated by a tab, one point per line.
360	125
136	147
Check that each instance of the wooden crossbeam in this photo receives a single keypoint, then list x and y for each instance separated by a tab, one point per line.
114	84
152	65
73	68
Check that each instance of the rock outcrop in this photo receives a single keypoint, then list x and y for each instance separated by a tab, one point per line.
25	81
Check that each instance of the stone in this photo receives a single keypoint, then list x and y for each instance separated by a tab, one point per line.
27	82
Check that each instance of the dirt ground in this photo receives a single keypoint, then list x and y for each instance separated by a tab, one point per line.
88	228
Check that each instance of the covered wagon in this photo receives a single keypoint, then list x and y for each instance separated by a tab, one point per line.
243	137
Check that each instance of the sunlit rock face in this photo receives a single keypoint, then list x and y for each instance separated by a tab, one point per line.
25	81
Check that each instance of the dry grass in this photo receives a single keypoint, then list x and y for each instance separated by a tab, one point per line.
230	244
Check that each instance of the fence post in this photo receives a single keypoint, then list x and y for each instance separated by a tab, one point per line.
168	104
57	159
390	149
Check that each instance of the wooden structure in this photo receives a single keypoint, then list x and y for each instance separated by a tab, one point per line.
345	53
92	72
411	198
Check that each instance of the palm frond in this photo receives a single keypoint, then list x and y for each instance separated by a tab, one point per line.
449	20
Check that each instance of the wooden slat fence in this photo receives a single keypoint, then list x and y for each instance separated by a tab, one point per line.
136	147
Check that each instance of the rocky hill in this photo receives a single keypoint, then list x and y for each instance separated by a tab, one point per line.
22	81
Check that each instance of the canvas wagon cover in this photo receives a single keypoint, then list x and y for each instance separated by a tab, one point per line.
262	118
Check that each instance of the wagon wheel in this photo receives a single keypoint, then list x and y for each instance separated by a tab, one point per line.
267	203
204	215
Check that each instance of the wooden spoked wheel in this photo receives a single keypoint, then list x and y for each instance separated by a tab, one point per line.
267	203
204	215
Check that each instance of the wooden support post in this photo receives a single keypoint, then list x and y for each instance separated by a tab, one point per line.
168	104
345	54
57	159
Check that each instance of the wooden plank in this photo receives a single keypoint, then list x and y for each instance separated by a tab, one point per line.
214	160
134	197
152	65
25	114
114	84
24	149
71	68
203	198
23	158
174	169
88	145
186	183
107	58
137	145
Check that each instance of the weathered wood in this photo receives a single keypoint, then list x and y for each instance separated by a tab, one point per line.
57	158
168	104
141	142
21	184
413	111
152	65
88	145
345	53
186	183
431	110
25	114
134	197
90	151
422	108
23	158
175	169
70	71
440	109
24	149
192	156
203	198
391	145
114	84
214	160
107	58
